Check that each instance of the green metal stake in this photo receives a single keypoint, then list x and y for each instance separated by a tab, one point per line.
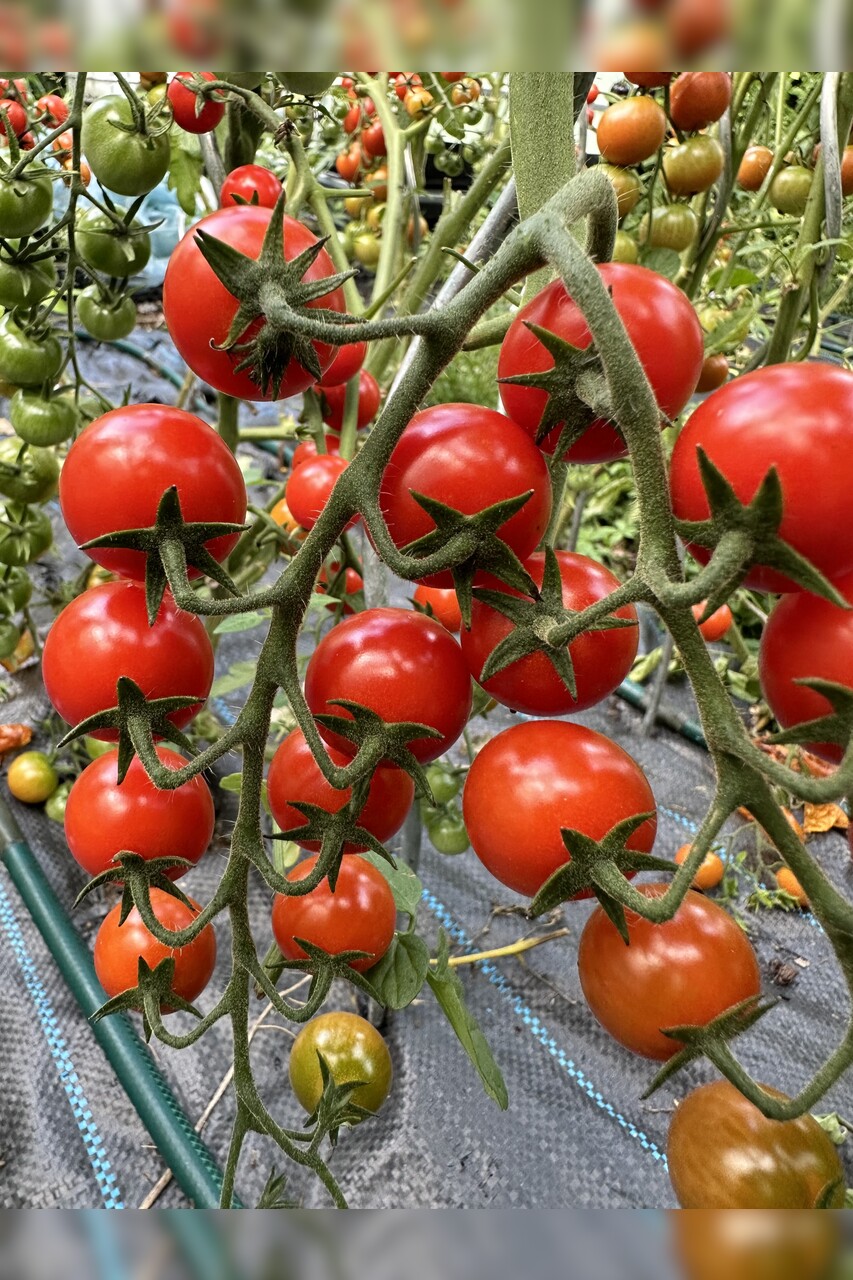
192	1165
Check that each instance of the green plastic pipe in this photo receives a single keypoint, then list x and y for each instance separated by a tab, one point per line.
637	696
192	1165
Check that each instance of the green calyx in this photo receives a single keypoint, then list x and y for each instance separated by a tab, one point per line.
711	1040
271	288
575	386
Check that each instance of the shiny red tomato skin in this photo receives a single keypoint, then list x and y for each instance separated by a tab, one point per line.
469	458
310	485
369	399
806	637
295	775
104	634
530	781
661	324
444	605
119	467
601	659
681	973
248	181
715	627
194	327
402	665
118	948
794	417
346	364
359	916
184	104
103	818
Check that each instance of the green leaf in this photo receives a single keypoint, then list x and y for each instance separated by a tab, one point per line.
405	885
665	261
242	622
231	782
740	276
185	169
449	993
402	971
236	677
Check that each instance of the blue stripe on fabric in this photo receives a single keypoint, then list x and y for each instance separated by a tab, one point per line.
538	1029
59	1052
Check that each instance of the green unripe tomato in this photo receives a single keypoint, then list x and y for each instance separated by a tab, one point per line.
789	190
309	83
25	534
673	226
31	478
25	284
18	585
10	634
443	784
354	1051
625	248
43	420
104	320
32	778
26	359
447	834
109	248
26	203
95	749
56	804
123	160
243	79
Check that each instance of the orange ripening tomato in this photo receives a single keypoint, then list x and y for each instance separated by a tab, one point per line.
711	868
719	623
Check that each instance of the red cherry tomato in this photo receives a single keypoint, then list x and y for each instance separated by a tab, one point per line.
104	634
192	113
469	458
402	665
661	324
103	818
119	467
53	109
307	449
805	638
715	627
601	659
369	398
373	142
250	184
443	604
119	947
310	485
698	98
347	362
17	117
681	973
295	775
348	162
536	778
405	82
794	417
197	329
359	916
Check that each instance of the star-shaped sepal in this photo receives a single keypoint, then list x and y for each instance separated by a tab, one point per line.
473	545
575	386
835	727
137	720
333	831
152	996
601	866
707	1041
749	534
172	545
138	876
540	626
271	288
336	1107
377	740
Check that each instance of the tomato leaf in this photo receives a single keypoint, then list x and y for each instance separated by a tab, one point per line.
665	261
242	622
449	993
185	169
399	976
405	885
236	677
